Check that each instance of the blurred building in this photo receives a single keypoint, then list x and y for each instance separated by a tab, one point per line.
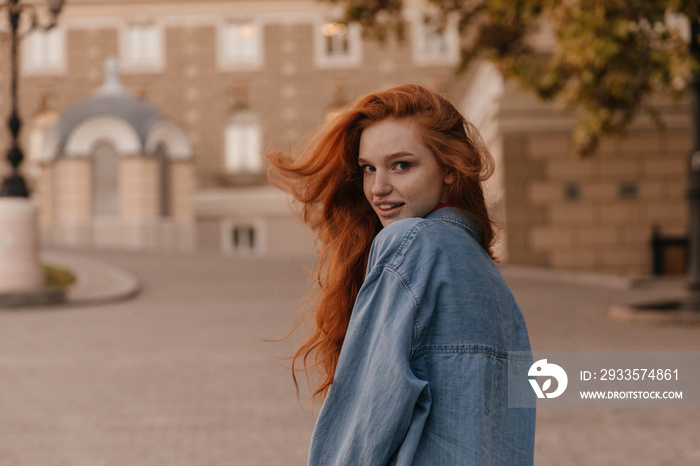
236	78
115	172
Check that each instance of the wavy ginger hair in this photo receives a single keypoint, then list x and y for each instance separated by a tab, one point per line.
327	182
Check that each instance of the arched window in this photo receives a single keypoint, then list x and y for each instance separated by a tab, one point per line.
242	143
161	154
105	190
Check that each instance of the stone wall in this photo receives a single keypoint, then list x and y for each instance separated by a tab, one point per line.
596	213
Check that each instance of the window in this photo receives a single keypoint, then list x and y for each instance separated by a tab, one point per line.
44	52
433	44
142	47
434	40
628	190
242	143
337	45
572	192
243	236
240	44
336	39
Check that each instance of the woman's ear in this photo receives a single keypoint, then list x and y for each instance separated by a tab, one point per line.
449	178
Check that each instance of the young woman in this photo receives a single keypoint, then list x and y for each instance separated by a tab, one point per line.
414	328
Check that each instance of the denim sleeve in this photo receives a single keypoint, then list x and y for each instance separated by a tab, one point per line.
376	407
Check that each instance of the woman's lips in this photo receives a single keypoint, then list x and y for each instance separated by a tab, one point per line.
388	209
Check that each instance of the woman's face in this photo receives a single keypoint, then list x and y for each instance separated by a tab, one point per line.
401	177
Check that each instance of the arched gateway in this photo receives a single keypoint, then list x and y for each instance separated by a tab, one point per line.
115	172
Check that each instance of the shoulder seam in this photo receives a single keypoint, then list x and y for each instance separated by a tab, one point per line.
465	226
416	305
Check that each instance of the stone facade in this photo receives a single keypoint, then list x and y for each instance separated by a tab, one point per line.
593	214
289	89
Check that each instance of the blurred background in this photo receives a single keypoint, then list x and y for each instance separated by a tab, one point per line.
165	150
144	126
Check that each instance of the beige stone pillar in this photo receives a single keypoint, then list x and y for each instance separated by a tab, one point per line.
19	246
182	187
138	187
72	189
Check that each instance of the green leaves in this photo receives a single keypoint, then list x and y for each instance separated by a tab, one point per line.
603	57
379	18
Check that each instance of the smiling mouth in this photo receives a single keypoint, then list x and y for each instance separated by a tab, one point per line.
388	207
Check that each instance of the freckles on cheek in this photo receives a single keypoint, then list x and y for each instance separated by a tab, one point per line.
418	189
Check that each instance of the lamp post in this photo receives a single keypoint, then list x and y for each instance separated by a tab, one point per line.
14	185
20	270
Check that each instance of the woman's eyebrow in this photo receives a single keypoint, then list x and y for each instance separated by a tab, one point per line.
397	155
390	157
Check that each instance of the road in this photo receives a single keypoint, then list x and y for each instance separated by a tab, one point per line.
184	373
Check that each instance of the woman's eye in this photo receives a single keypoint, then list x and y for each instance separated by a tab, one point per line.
403	165
367	168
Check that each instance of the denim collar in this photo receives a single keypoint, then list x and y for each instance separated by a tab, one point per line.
459	217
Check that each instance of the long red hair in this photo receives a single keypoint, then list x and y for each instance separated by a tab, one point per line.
326	180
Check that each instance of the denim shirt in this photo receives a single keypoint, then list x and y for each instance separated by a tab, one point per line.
422	377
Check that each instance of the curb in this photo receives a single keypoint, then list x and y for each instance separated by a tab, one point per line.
44	297
671	311
570	276
96	283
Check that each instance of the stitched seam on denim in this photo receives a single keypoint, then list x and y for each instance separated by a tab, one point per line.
407	239
411	234
465	226
404	282
407	287
520	356
462	349
396	262
448	215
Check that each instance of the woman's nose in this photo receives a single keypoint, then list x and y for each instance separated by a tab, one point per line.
381	185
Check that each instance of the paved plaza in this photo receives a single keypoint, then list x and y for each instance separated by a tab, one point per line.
184	374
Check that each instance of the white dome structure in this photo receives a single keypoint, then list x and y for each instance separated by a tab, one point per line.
117	172
113	113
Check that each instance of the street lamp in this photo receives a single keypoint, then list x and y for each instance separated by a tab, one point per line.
14	185
20	269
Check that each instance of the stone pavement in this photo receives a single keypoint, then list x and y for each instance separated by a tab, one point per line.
183	373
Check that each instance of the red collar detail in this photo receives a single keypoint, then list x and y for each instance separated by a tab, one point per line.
441	205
